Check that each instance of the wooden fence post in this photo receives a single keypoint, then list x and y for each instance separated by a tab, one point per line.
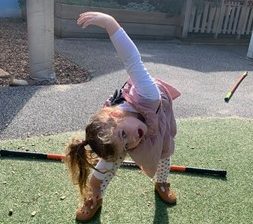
250	50
187	17
242	19
220	20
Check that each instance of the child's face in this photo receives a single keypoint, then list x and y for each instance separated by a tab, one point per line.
129	132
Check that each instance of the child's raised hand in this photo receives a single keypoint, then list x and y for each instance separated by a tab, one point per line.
94	18
98	19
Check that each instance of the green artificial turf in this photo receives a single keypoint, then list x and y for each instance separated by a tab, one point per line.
44	188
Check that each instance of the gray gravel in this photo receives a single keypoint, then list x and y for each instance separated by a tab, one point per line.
203	74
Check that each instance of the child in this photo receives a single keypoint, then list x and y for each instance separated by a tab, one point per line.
140	122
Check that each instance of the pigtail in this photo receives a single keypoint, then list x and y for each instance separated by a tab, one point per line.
98	135
77	161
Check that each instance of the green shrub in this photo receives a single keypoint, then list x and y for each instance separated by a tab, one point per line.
22	6
22	3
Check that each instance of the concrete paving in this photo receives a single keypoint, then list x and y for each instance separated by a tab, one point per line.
203	74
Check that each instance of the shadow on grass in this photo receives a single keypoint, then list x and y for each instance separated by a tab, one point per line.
161	213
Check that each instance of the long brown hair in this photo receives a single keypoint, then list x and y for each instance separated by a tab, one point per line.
80	158
78	164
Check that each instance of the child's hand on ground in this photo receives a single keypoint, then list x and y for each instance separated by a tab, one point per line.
98	19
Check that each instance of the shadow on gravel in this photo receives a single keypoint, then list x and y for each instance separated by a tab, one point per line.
11	102
100	58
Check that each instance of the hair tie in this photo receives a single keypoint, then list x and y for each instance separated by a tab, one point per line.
84	142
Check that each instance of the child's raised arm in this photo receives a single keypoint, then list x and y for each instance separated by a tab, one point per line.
127	51
98	19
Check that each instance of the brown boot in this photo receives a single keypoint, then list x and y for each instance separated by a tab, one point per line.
88	210
165	193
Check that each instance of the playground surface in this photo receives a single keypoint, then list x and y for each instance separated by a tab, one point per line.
211	133
202	73
41	192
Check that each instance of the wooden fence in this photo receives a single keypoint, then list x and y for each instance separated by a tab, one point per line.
224	17
213	18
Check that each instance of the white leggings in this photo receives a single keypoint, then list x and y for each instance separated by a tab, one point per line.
163	170
108	171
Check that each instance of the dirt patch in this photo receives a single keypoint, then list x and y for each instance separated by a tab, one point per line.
14	56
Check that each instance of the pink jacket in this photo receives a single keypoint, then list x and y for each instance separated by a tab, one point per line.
159	141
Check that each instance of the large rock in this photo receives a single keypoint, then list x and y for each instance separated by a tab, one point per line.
4	74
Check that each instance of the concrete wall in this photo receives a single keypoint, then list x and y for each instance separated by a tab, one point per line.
9	8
